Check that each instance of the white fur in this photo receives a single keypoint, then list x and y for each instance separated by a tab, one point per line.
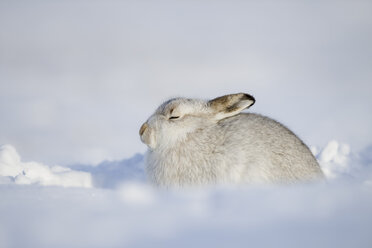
212	142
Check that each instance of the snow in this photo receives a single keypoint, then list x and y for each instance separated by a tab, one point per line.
110	174
128	212
13	170
334	159
136	215
78	78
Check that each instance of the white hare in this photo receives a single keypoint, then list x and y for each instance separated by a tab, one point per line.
196	142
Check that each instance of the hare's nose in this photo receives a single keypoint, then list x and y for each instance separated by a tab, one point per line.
143	128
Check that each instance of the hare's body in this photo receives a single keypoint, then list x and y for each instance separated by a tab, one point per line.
243	148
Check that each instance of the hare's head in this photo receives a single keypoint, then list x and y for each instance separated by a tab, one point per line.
175	119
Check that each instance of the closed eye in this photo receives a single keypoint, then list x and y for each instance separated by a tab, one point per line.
173	117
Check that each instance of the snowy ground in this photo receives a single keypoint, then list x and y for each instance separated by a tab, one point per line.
117	208
78	78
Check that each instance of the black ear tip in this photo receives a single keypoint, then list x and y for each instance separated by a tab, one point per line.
248	97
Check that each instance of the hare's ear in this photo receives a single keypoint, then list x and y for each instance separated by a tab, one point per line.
230	105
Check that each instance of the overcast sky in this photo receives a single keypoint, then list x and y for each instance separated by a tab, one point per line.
78	78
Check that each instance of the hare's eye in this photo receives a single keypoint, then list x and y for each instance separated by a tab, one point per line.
173	117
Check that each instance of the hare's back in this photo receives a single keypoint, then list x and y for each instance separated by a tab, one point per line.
270	149
259	129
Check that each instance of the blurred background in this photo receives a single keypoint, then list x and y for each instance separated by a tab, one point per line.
78	78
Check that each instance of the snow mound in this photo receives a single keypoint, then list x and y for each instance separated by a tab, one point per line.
13	170
339	162
111	174
134	214
336	160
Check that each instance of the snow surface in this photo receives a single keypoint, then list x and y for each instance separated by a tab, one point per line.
336	159
121	210
78	78
12	170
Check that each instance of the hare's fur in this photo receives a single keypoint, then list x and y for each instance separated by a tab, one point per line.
211	142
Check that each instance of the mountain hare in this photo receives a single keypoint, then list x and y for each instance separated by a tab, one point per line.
196	142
